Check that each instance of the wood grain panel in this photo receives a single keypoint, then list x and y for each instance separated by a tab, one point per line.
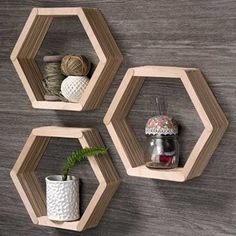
183	33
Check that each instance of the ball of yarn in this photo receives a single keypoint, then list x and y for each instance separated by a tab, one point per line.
75	65
73	87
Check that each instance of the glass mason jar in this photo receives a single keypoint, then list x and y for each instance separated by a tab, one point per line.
162	151
162	142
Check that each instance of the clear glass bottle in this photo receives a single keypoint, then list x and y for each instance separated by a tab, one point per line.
162	140
162	151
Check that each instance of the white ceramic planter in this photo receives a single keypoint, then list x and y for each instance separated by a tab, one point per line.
62	198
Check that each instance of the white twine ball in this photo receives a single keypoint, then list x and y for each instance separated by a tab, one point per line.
73	87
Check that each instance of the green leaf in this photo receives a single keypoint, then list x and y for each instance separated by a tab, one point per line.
79	155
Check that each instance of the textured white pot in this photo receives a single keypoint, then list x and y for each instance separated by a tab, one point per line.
62	198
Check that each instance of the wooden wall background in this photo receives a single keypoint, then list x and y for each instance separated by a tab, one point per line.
164	32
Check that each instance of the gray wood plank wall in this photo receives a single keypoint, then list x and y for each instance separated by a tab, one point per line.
159	32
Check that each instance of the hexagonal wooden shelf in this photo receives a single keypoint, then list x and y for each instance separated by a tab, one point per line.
30	189
31	38
129	148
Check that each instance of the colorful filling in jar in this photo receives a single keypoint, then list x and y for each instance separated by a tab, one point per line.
162	142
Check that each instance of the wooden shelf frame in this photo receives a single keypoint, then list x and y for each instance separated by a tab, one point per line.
30	190
31	38
130	150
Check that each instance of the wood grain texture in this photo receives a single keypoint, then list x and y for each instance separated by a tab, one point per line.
184	33
31	39
132	153
29	187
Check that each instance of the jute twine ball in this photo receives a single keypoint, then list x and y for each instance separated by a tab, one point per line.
52	77
75	65
73	87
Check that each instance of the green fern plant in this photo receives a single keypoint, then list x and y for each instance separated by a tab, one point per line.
79	155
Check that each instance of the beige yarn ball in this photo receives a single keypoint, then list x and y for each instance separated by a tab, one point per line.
75	65
73	87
